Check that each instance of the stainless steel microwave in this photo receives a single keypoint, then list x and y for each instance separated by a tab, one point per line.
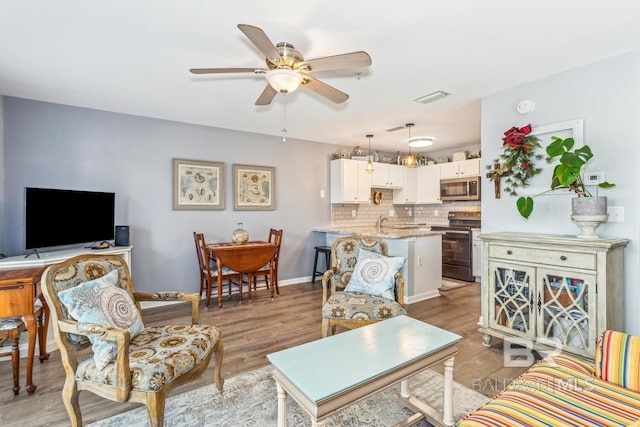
460	189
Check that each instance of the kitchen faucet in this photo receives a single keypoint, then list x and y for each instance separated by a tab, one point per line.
381	219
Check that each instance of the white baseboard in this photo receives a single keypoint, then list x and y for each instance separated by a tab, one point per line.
421	297
152	304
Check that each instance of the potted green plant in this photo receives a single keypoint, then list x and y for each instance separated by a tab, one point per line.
568	174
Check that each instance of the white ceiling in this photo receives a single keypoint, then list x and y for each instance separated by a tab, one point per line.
133	56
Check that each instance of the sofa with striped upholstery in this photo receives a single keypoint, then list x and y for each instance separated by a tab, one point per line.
563	391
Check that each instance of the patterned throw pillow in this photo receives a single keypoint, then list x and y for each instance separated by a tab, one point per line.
100	302
616	360
374	274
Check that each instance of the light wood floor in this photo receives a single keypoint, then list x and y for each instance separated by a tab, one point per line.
251	330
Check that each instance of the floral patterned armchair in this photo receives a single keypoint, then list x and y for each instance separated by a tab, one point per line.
380	294
148	361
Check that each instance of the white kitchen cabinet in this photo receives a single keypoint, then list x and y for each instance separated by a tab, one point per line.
461	169
386	175
428	185
556	292
421	186
407	194
350	183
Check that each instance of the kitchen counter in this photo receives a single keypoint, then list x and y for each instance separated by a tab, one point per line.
384	232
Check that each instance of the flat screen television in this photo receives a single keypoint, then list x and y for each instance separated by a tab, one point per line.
56	217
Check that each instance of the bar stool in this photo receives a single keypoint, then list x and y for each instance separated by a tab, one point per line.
326	250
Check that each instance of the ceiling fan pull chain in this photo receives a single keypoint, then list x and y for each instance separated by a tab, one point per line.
284	121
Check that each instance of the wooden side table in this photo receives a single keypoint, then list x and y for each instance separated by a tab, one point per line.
19	288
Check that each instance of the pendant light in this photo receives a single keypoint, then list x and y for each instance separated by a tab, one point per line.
410	160
369	167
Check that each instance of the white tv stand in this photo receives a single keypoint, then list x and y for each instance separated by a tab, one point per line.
48	258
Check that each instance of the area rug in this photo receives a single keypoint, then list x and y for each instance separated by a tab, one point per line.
250	400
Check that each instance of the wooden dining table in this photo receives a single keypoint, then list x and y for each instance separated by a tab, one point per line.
245	258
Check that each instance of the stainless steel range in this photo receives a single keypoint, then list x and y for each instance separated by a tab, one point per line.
457	250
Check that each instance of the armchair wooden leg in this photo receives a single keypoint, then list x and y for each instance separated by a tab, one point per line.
70	399
155	408
218	353
325	328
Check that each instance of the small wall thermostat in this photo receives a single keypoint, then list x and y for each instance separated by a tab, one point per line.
526	106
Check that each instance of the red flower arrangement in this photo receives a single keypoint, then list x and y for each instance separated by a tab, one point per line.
516	163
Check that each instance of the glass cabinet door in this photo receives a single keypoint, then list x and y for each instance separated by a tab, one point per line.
564	314
511	298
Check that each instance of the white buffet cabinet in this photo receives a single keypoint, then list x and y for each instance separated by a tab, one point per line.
555	292
423	269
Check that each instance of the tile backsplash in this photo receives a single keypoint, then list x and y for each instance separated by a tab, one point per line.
367	215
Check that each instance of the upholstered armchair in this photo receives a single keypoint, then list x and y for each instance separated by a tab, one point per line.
362	286
93	302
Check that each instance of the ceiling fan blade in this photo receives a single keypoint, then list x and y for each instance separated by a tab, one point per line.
226	70
324	89
261	41
346	60
266	96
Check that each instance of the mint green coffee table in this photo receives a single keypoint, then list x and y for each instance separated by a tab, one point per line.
327	375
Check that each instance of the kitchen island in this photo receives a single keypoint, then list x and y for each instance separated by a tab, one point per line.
421	247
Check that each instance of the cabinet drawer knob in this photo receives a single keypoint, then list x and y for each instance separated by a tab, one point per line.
563	257
509	252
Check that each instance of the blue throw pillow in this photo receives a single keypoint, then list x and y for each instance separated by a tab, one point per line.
374	274
101	302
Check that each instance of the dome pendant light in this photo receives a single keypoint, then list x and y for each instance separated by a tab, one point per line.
369	167
410	160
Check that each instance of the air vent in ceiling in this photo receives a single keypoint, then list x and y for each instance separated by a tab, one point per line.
432	97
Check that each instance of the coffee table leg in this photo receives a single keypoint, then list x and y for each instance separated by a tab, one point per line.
405	390
447	418
282	406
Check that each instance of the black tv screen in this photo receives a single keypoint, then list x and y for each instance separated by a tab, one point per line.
66	217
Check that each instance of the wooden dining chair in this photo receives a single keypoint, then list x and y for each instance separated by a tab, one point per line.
10	330
275	236
209	270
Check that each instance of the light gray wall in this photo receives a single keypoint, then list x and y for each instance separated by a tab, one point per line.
57	146
605	95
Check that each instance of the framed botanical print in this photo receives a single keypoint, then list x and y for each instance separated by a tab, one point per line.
198	185
254	188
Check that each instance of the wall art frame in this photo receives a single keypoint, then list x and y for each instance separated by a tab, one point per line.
570	128
254	188
198	185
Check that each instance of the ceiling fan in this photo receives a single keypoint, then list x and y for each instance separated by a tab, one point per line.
287	68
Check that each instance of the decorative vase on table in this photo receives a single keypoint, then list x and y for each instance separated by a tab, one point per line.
588	213
240	236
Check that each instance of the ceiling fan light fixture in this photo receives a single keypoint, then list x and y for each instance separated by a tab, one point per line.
421	141
284	80
434	96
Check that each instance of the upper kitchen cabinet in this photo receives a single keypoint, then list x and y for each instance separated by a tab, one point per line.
350	183
421	186
386	175
461	169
